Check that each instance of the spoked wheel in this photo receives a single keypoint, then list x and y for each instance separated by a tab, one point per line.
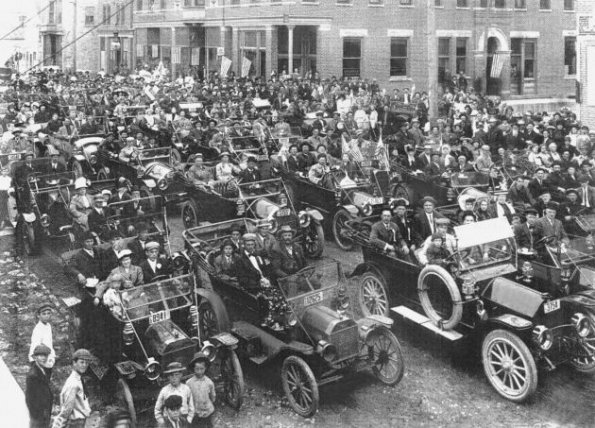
385	352
212	317
190	214
401	192
340	218
314	241
125	397
233	379
77	168
372	295
300	386
585	361
509	365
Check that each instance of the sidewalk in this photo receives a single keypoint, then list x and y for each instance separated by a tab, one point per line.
12	401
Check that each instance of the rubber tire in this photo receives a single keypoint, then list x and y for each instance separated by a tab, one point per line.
193	208
525	355
103	175
176	156
341	215
588	368
380	285
306	372
123	388
215	305
396	352
77	168
237	370
320	242
453	289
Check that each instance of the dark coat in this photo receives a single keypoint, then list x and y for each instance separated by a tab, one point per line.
421	224
293	163
109	261
138	252
250	277
536	188
86	265
407	231
97	221
381	235
38	393
223	267
287	264
248	176
149	273
524	236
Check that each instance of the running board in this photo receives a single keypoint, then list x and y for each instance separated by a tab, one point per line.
426	323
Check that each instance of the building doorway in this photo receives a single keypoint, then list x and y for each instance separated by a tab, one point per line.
52	43
494	84
304	49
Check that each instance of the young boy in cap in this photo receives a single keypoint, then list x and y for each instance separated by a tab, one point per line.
38	393
74	401
174	372
172	412
436	253
203	392
42	334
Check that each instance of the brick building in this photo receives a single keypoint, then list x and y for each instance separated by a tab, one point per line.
387	40
586	48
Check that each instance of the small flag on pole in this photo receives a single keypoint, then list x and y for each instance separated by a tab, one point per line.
246	63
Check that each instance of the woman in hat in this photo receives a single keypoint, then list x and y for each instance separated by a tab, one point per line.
225	170
483	211
81	204
225	263
132	275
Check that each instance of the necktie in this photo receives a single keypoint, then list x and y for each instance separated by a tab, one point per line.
84	388
431	220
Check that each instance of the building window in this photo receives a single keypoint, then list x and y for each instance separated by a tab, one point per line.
569	56
545	4
438	3
530	55
352	57
406	2
343	1
139	4
568	4
462	3
200	3
107	14
520	4
500	4
89	15
376	2
443	59
398	56
462	55
52	13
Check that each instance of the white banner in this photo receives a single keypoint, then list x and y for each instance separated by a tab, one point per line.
140	51
225	64
195	56
246	63
154	51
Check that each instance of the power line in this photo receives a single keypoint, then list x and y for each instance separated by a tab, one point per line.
106	19
22	24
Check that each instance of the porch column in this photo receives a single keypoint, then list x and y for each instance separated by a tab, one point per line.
480	69
268	43
505	74
236	61
173	48
290	49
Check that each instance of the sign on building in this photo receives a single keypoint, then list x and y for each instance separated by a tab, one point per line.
586	25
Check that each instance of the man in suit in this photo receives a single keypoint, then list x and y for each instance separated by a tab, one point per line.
251	266
538	185
109	256
425	220
406	229
138	244
549	226
518	193
425	159
55	166
386	235
251	174
408	160
236	238
23	171
225	264
265	240
292	159
38	392
98	216
153	266
305	159
287	257
86	262
524	232
319	123
585	194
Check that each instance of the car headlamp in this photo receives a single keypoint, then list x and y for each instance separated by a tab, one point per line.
162	184
468	287
543	337
327	351
291	319
128	334
209	350
367	209
93	160
304	218
527	270
152	369
582	324
45	220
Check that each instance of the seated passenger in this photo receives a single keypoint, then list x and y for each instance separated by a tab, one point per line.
468	206
386	235
550	226
132	275
305	159
199	174
129	151
98	216
425	221
436	252
80	203
287	257
251	266
449	240
503	206
292	159
251	174
154	266
111	297
225	263
264	239
524	232
317	171
225	170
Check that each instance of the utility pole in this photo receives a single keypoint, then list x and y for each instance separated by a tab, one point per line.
75	4
432	46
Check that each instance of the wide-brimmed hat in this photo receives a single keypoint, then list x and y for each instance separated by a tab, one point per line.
174	367
428	199
285	229
124	253
80	183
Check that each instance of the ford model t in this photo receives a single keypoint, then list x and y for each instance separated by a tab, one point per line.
481	292
303	321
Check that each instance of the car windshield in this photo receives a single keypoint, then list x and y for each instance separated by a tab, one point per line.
155	301
41	182
313	284
161	154
158	170
272	188
466	179
578	251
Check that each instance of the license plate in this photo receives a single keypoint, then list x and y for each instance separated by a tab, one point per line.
551	306
158	317
313	299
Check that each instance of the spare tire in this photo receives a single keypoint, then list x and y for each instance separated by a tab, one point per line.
432	283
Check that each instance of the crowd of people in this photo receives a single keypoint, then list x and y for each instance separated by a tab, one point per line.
338	119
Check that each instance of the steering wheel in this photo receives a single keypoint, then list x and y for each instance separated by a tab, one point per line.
546	240
306	272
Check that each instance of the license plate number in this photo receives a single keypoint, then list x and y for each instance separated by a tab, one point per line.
158	317
551	306
313	299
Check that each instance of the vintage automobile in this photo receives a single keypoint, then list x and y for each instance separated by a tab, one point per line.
483	294
125	216
263	200
340	196
83	159
306	323
154	171
278	140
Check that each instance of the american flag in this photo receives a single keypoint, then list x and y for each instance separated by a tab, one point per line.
497	65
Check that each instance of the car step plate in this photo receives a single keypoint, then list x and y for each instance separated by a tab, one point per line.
425	322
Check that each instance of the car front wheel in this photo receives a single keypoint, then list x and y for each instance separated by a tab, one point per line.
372	295
509	365
339	219
385	352
300	386
233	379
124	397
585	361
190	214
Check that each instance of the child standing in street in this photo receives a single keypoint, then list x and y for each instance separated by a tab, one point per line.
38	393
42	334
203	392
175	386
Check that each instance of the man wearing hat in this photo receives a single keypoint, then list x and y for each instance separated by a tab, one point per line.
251	265
265	240
42	335
287	257
109	256
503	207
98	216
569	209
538	184
550	226
199	174
449	241
318	170
524	233
386	235
81	203
25	170
154	266
251	174
174	372
305	158
425	221
518	193
128	152
55	166
86	262
74	399
38	391
406	229
424	160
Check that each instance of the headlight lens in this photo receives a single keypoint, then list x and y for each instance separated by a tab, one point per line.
45	220
93	160
543	337
367	209
582	324
162	184
152	369
304	219
291	319
209	350
328	351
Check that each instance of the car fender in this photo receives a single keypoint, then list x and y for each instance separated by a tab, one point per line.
583	301
29	217
79	158
149	182
315	214
218	307
351	209
511	322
